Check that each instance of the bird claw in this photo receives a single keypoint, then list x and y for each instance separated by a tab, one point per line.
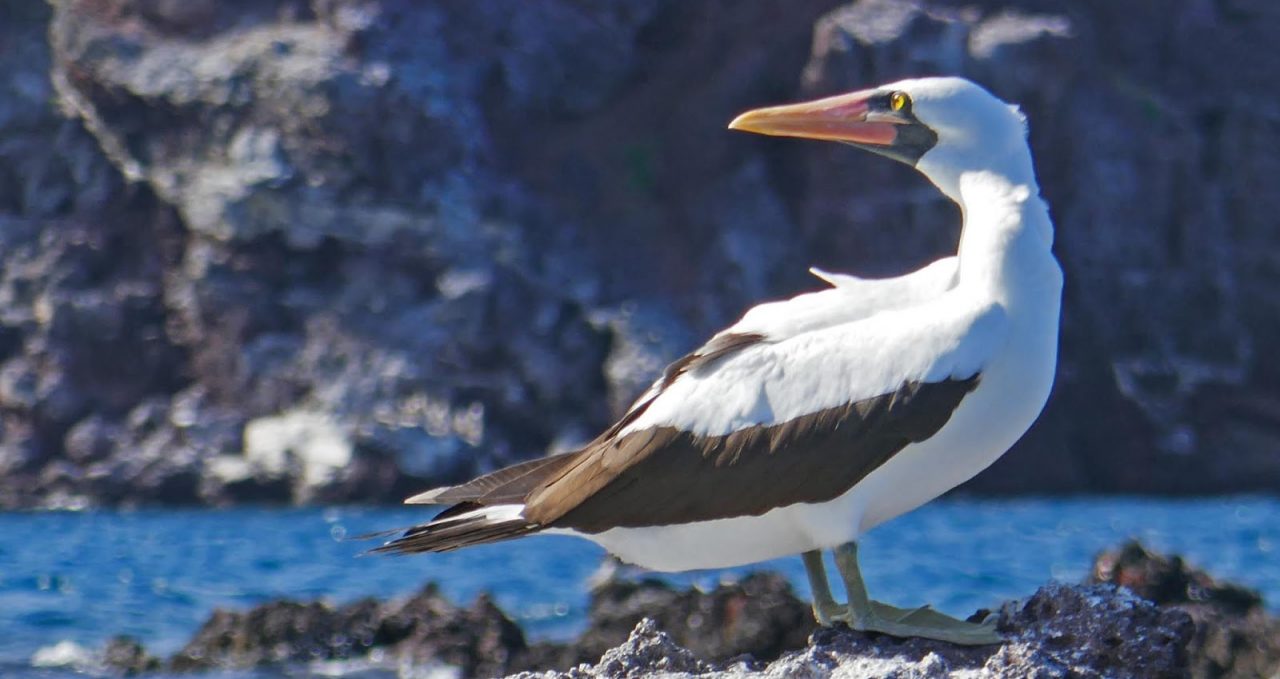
831	613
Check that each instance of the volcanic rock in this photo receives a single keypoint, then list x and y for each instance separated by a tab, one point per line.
1234	635
646	652
1181	623
461	234
425	629
758	617
1061	631
126	656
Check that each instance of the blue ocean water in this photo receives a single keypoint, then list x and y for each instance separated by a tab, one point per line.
84	577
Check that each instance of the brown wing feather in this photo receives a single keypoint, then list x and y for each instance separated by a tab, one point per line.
719	347
506	485
448	534
663	475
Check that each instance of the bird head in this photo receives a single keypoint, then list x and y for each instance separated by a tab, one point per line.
941	125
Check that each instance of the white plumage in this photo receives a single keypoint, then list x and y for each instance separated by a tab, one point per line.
986	317
993	312
786	377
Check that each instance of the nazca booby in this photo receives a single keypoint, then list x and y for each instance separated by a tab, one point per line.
812	420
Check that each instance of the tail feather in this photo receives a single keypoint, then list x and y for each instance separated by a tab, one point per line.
458	530
509	484
487	509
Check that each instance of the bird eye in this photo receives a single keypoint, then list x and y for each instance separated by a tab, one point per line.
898	101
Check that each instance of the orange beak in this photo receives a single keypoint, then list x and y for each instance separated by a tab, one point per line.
845	117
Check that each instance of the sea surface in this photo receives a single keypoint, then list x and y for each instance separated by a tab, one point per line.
70	580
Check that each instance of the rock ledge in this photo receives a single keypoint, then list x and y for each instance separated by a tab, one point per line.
1142	614
1060	631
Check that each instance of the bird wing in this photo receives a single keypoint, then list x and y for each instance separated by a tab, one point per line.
509	484
775	422
849	299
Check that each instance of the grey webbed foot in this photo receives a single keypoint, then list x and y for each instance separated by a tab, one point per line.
863	614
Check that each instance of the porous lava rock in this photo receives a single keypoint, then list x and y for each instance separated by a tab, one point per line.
1061	631
425	629
758	616
1234	635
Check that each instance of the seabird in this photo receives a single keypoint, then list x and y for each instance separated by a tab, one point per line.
812	420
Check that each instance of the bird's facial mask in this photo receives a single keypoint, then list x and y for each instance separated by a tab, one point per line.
877	120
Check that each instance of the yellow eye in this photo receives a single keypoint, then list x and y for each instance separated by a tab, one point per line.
898	101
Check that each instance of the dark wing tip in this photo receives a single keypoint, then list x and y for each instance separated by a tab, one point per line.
718	347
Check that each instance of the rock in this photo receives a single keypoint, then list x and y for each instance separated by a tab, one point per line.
425	629
1061	631
1167	580
1234	635
481	639
78	293
50	166
126	656
647	652
308	447
83	256
759	616
1160	337
644	341
465	252
1093	630
756	628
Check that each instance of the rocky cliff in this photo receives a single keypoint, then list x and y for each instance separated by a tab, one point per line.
340	249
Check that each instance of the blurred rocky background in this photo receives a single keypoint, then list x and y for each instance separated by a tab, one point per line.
340	250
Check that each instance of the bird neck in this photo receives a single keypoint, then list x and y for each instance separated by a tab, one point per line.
1006	243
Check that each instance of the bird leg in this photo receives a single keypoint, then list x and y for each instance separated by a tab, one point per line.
863	614
825	608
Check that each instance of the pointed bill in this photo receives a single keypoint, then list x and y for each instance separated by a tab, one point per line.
847	118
